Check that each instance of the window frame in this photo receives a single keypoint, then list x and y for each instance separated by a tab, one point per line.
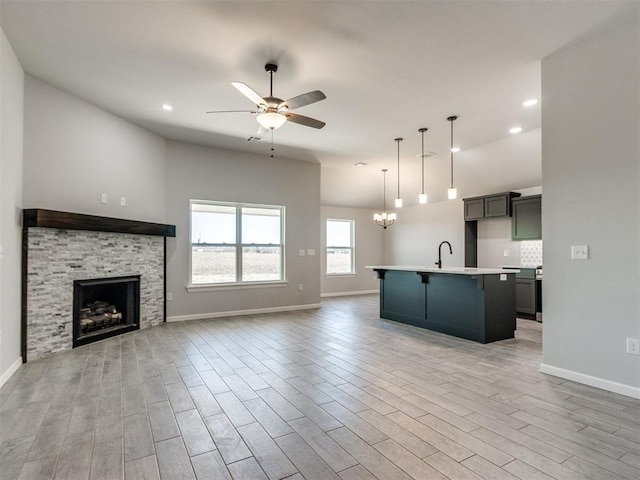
239	246
352	247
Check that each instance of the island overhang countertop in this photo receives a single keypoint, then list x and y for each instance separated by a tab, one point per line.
453	270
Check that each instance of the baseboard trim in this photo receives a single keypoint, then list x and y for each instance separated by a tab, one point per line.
348	294
601	383
233	313
10	371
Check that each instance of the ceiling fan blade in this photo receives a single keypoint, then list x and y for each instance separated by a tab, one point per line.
304	99
233	111
250	93
306	121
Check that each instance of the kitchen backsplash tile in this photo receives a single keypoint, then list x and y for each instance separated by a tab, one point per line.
531	253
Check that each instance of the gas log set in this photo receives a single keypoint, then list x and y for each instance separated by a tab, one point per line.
98	315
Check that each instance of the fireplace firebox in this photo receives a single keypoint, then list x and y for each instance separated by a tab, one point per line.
105	307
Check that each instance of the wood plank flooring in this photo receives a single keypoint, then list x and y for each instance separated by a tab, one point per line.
335	393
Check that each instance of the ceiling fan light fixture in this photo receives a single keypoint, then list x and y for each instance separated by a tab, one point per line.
422	198
271	120
452	193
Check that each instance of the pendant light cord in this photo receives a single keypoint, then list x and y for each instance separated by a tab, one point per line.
422	162
422	130
384	190
452	152
452	119
398	140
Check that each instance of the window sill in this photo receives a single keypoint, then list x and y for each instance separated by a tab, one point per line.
233	286
338	275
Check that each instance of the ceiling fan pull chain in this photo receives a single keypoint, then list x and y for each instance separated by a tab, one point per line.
272	147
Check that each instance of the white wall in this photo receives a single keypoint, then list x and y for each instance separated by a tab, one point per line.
494	238
75	151
418	231
590	159
11	150
369	250
204	173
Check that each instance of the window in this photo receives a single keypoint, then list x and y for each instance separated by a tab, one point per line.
340	258
236	243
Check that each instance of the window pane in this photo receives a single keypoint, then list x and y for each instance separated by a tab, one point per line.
339	260
260	264
213	223
261	225
339	233
213	264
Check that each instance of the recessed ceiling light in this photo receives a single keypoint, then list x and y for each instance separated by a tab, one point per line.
167	107
530	103
515	130
456	149
360	164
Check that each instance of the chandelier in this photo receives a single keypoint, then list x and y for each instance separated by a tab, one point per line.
384	219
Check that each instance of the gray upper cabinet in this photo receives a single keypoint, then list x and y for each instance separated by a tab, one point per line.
526	223
487	206
473	208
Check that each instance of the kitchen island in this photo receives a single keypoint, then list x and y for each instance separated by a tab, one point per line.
474	303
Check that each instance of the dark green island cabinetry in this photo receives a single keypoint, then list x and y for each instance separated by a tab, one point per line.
473	303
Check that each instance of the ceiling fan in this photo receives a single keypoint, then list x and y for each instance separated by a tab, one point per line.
272	111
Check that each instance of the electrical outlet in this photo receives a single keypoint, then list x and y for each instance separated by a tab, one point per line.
123	201
300	287
169	296
104	198
633	346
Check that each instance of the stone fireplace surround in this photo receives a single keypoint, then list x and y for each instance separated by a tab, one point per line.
60	247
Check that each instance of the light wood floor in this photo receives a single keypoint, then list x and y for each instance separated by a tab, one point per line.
334	393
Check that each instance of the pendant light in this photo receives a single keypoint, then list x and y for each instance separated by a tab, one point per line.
422	198
384	219
452	193
398	199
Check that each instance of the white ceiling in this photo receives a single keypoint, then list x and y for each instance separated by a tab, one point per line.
387	68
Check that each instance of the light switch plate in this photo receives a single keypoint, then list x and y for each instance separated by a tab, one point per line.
301	252
104	198
579	252
311	251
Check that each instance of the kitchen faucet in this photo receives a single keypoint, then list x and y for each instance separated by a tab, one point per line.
439	262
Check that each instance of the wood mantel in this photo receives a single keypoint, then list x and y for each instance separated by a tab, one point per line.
37	217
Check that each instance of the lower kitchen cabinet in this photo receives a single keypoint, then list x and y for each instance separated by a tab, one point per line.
525	296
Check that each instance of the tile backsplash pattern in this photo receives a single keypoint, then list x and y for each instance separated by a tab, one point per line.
531	253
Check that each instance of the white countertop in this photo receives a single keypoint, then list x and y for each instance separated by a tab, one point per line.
524	267
454	270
